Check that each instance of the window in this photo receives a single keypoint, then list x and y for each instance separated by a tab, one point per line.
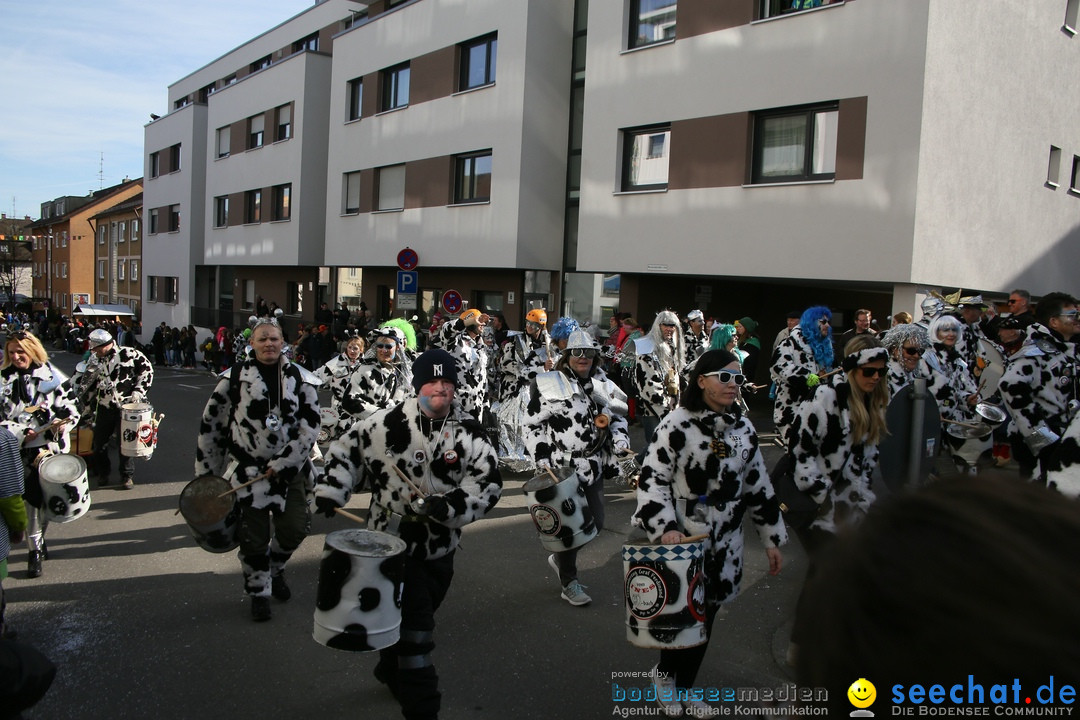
771	8
646	151
1053	172
249	294
354	17
152	289
256	125
174	158
477	63
351	186
120	267
163	289
135	230
206	92
390	187
472	178
121	231
1074	178
101	235
224	140
795	144
281	200
154	221
228	81
182	102
294	298
221	211
284	123
174	218
155	164
63	269
259	64
310	43
355	99
651	21
395	88
101	269
134	270
253	206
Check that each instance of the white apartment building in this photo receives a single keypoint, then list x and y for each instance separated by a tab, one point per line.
735	156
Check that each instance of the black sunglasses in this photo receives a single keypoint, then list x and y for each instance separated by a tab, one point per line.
583	353
914	351
725	377
869	372
384	346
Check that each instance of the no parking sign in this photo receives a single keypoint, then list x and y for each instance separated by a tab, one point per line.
451	301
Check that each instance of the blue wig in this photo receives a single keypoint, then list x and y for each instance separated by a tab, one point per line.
822	347
563	327
721	336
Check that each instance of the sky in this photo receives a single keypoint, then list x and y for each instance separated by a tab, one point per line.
78	81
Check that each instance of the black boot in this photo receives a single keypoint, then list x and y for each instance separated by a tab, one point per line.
44	550
33	565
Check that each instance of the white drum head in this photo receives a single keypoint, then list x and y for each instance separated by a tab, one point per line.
62	468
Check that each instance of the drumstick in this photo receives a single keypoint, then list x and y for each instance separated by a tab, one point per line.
354	518
825	375
554	479
241	487
961	424
408	482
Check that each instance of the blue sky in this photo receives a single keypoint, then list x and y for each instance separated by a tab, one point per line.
79	80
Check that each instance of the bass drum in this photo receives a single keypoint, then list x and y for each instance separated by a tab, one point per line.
991	373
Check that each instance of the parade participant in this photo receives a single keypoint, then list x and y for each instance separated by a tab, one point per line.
38	405
560	335
906	345
972	331
957	394
833	444
659	358
798	363
13	514
749	344
697	340
445	453
337	376
703	472
122	375
575	418
381	381
1039	386
462	339
264	416
524	355
932	306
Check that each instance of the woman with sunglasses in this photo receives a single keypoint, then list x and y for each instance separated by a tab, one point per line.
382	380
336	376
955	391
907	344
33	396
704	471
575	417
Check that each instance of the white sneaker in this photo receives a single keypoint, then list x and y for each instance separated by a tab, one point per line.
575	594
665	688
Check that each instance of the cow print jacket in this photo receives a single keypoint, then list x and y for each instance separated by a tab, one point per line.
120	375
651	377
452	458
1039	382
51	392
953	383
703	471
375	387
521	359
336	375
238	430
899	377
1063	462
561	430
792	363
829	466
473	361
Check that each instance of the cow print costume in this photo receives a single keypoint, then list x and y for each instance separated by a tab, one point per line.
473	362
264	420
122	374
792	364
448	457
373	387
336	375
829	466
521	359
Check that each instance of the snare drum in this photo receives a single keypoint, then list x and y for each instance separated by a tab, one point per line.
213	520
664	590
560	511
358	601
65	487
138	435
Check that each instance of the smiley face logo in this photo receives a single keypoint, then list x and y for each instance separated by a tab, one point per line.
862	693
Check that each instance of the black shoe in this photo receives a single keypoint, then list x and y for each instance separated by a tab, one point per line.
44	550
260	609
279	589
33	565
128	484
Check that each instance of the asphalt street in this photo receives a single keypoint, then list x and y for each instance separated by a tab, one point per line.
142	623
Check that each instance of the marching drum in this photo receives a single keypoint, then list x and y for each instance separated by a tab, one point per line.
138	433
358	601
213	520
560	511
994	367
971	441
65	487
664	590
328	425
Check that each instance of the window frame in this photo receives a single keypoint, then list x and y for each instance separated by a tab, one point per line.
155	165
256	138
281	203
253	207
226	134
120	267
174	158
390	90
174	218
354	99
629	136
347	185
809	112
379	204
283	130
465	178
491	43
634	40
155	221
221	211
134	272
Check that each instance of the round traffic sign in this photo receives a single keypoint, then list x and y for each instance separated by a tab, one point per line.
451	301
407	259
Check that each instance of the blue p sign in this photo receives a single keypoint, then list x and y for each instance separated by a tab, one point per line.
407	282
